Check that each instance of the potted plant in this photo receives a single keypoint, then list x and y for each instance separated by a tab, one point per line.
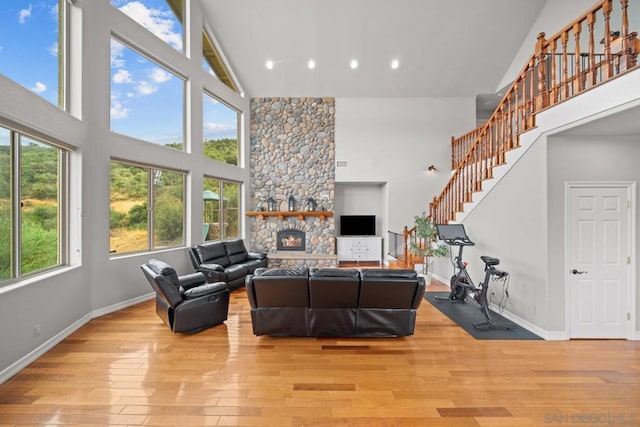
424	242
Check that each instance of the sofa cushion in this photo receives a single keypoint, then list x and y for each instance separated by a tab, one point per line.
164	269
376	273
335	272
235	272
213	253
236	252
287	272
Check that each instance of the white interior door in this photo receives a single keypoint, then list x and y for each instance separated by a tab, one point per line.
599	261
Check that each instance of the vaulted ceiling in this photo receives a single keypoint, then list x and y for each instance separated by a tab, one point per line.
453	48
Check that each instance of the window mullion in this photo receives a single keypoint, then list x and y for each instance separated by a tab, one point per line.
16	205
150	201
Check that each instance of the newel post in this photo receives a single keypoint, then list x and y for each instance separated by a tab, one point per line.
542	97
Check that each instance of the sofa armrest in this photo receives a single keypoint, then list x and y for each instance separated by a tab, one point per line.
211	267
420	290
192	280
256	255
206	289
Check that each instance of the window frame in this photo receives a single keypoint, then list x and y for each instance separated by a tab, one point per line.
16	133
150	207
161	64
221	205
206	93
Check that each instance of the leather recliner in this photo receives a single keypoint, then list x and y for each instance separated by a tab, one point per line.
389	300
333	298
186	303
279	300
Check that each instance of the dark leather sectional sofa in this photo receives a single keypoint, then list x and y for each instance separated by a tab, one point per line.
334	302
226	261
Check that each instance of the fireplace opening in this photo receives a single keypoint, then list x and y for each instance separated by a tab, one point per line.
291	239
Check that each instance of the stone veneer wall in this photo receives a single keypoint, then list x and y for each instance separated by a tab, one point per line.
293	153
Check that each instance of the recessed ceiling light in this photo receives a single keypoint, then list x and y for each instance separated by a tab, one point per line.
353	64
311	64
395	64
269	65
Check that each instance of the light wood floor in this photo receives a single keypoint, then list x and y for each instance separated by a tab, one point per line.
126	368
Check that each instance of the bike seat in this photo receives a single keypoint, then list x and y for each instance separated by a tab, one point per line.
490	260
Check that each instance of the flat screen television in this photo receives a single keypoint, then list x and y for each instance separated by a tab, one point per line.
357	225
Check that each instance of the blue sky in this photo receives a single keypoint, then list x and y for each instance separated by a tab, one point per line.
28	36
146	99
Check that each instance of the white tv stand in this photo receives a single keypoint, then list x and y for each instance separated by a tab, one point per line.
360	248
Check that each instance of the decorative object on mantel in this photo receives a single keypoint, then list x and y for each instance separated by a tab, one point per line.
300	214
292	203
311	205
271	204
260	205
325	199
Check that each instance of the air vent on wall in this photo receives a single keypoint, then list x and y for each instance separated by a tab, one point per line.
342	163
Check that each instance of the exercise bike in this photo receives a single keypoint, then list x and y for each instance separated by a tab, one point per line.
461	284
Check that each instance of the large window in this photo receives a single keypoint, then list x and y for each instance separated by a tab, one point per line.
32	201
221	209
220	130
146	208
32	46
147	101
162	17
213	63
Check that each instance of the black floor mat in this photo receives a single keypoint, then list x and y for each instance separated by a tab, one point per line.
467	314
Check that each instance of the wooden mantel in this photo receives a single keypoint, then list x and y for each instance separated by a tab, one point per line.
282	214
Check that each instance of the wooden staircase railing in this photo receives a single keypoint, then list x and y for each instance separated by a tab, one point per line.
561	67
586	53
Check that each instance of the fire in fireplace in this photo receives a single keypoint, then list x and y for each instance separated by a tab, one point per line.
291	239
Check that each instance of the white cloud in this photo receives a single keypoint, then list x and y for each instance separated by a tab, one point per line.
117	61
122	76
53	49
118	111
217	127
24	14
157	21
144	88
158	75
39	87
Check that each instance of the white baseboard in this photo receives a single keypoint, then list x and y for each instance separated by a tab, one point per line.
32	356
547	335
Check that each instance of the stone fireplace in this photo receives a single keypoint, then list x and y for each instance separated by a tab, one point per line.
291	239
292	154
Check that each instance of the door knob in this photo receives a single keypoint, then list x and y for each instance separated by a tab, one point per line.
574	271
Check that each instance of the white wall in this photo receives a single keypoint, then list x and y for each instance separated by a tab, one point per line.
393	141
95	283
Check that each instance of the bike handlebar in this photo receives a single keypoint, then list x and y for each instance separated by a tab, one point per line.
459	241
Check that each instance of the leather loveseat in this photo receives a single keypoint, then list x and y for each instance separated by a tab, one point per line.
226	261
334	302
